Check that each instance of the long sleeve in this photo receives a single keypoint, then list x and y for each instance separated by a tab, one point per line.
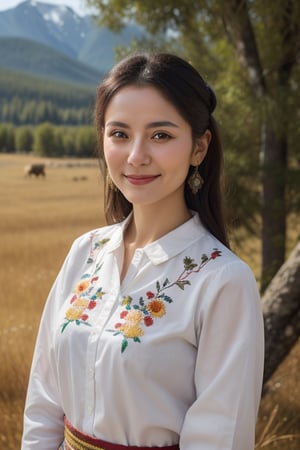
229	365
43	415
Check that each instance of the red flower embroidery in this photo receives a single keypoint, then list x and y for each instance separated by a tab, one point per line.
123	314
118	325
148	321
215	254
150	294
92	304
84	317
73	299
94	279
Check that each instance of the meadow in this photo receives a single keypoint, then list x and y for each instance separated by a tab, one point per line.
39	219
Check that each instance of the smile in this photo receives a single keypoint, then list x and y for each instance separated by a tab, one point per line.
139	180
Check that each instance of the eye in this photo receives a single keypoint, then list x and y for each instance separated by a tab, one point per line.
118	134
161	136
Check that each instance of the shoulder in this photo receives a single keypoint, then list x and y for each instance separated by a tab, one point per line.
229	280
222	268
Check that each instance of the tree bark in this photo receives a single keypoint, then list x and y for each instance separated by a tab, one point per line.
240	33
281	310
274	164
274	130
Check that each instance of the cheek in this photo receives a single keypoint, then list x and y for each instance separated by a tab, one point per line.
178	156
111	154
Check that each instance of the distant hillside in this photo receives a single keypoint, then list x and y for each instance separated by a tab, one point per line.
27	99
23	55
61	29
30	87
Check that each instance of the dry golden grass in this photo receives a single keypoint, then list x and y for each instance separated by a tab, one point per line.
39	220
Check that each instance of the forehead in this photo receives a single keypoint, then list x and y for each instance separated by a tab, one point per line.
141	100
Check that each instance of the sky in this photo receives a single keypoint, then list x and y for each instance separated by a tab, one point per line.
77	5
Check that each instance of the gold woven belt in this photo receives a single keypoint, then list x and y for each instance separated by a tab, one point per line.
76	440
73	442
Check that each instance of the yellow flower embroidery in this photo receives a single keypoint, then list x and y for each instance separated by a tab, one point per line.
77	309
134	316
126	300
87	293
131	330
73	314
156	308
82	286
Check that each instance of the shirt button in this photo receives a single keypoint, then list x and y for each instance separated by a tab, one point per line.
91	372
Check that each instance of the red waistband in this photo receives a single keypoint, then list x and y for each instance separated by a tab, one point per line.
77	437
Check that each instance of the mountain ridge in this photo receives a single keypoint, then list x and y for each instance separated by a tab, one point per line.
61	29
26	56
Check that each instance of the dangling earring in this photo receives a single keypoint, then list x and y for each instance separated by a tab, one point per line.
110	183
195	181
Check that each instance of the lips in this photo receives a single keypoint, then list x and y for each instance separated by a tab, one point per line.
139	180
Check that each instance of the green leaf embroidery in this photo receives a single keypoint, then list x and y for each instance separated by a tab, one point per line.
64	325
189	263
166	282
182	283
124	345
166	298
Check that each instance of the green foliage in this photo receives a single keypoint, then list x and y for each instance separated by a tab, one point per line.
86	142
45	140
25	99
24	139
7	138
49	140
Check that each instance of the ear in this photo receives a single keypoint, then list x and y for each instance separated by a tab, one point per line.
200	149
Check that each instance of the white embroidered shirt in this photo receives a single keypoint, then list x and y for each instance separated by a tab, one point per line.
173	354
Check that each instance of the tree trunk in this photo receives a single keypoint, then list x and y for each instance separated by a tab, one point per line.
238	26
274	162
281	309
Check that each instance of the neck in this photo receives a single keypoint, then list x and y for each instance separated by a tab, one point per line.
148	225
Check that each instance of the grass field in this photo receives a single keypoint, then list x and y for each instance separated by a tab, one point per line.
39	220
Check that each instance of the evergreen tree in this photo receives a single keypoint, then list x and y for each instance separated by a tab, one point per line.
7	138
24	139
44	140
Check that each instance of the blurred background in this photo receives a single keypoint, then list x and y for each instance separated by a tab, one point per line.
52	56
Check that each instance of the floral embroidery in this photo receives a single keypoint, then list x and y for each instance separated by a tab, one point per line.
147	310
86	292
94	247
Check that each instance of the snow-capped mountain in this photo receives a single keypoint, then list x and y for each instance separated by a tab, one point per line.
61	29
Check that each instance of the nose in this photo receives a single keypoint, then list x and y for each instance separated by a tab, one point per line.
139	153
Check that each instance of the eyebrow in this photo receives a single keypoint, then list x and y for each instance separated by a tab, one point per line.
163	123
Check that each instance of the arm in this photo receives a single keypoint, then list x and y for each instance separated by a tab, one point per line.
229	365
43	415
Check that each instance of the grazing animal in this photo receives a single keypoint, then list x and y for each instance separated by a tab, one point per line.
35	169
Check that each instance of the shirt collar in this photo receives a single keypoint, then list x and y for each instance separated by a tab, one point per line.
167	246
175	241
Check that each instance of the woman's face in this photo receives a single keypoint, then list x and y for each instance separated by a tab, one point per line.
148	147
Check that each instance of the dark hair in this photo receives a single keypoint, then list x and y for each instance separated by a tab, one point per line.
195	101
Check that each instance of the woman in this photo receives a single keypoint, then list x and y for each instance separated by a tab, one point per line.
152	335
